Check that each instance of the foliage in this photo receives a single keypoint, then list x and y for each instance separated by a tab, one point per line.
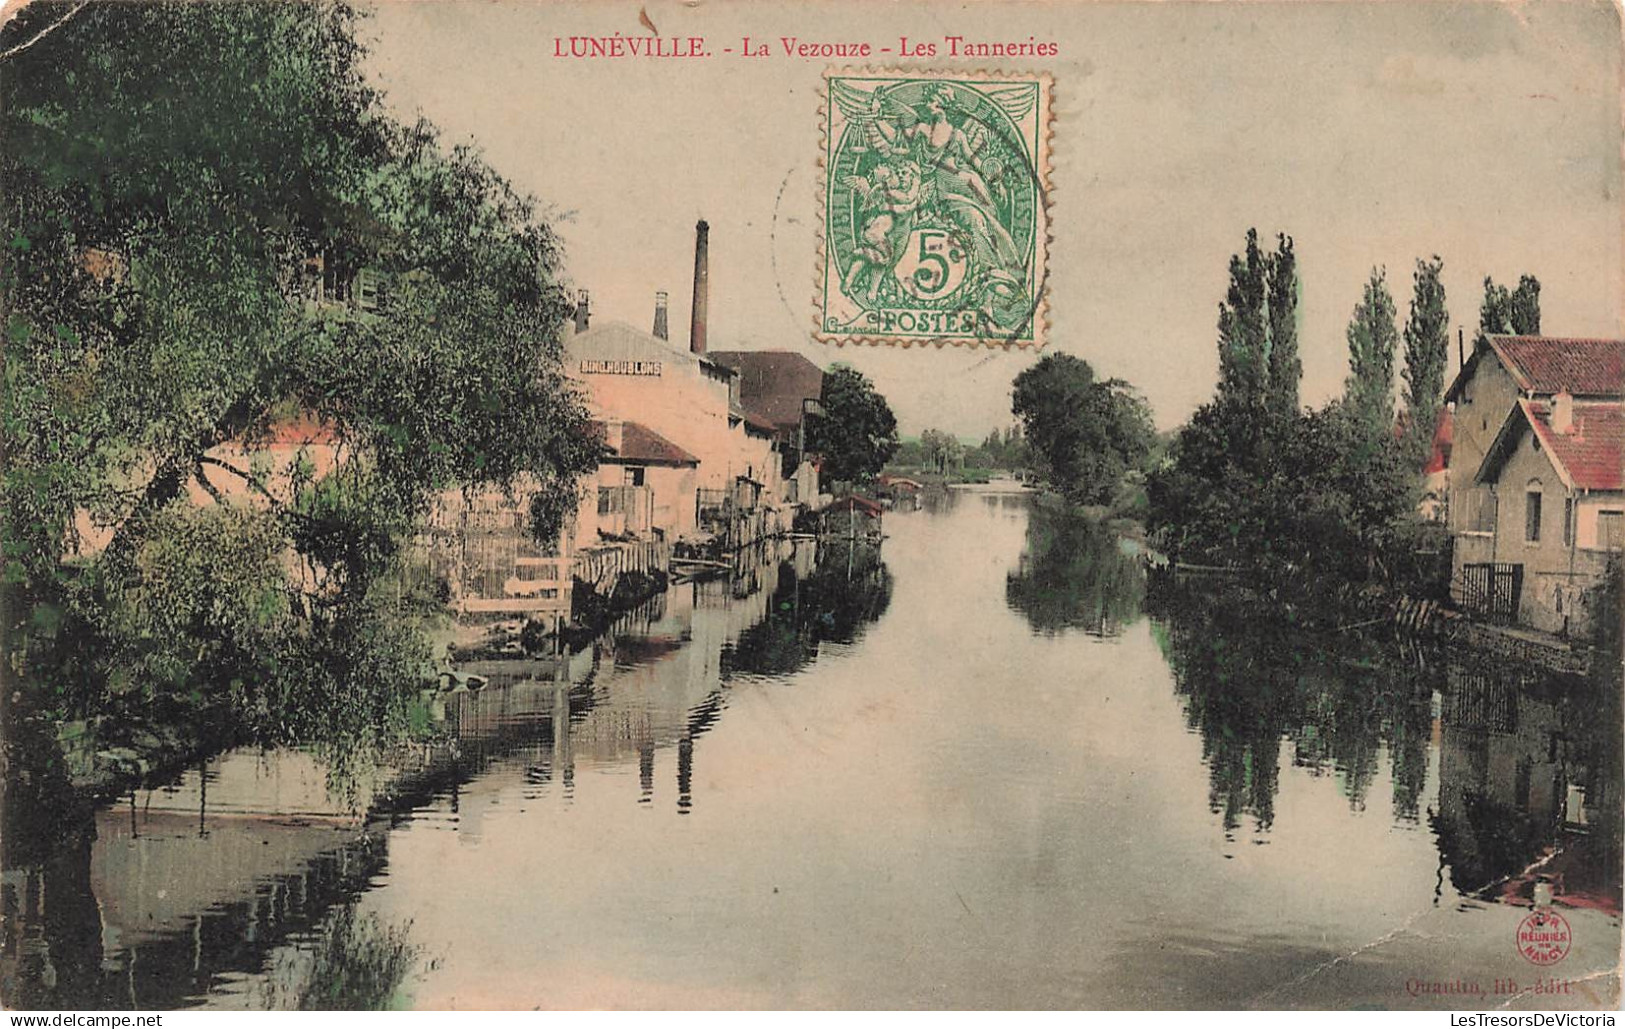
1427	353
1369	389
1007	450
1243	329
1294	496
858	433
1341	509
1204	502
193	190
1074	573
1086	433
935	452
1259	367
1515	311
1285	367
940	450
357	963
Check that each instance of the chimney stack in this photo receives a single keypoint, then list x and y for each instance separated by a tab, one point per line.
702	286
660	315
614	434
583	312
1563	413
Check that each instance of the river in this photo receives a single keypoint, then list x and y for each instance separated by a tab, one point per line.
978	766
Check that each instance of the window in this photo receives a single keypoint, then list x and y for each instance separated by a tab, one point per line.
1568	521
366	288
634	476
336	281
1611	530
1479	510
1531	513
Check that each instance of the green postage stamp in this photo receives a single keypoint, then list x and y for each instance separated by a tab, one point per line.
934	220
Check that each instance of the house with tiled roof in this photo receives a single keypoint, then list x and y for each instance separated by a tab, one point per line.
1537	477
692	400
645	485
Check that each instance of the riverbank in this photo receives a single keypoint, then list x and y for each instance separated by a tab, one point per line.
738	736
98	760
1346	608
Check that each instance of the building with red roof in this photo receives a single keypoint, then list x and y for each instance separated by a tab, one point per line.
645	485
1537	476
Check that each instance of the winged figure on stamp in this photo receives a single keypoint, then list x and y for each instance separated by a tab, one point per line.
937	164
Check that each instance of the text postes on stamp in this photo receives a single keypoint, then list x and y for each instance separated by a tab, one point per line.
934	222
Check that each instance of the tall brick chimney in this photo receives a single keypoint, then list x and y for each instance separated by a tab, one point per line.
702	286
583	312
660	315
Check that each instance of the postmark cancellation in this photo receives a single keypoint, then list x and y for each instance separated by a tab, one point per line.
934	208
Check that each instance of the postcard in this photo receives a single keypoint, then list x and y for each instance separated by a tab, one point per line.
811	504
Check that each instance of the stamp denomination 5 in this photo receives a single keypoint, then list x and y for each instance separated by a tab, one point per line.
935	216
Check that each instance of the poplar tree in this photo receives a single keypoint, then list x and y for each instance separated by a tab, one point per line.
1285	367
1427	351
1243	331
1372	339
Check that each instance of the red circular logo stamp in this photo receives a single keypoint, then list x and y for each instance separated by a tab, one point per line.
1544	937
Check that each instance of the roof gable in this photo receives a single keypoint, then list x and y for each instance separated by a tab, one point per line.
1592	457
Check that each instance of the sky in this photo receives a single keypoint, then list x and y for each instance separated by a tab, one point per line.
1374	134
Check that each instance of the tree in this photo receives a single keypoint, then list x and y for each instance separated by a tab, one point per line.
1372	338
1427	352
189	188
1285	367
1204	501
1289	495
1244	330
1088	433
1259	366
858	433
1515	312
942	450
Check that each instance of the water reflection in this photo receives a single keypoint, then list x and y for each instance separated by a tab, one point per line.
141	912
1527	763
847	588
354	963
1252	684
237	882
1530	773
865	778
1075	573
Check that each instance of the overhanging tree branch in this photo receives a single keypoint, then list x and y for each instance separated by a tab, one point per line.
46	31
